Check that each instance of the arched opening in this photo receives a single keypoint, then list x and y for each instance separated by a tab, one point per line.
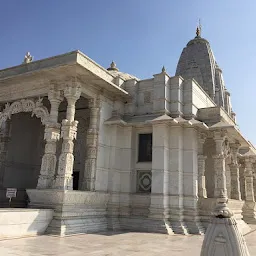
22	141
25	150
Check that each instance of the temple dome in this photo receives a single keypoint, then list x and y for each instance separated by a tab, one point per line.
116	73
197	62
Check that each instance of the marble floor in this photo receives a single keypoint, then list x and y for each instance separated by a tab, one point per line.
110	244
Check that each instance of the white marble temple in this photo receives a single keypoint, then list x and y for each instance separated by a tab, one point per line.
106	150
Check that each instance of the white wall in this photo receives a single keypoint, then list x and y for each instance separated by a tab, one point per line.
194	98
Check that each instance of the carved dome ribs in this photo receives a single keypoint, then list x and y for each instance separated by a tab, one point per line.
197	62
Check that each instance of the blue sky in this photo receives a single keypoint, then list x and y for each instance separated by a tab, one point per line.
140	36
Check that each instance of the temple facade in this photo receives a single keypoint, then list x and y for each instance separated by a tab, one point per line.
106	150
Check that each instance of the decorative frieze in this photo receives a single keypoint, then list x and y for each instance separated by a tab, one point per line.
25	105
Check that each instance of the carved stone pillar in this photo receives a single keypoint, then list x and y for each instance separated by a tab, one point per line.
234	170
254	176
248	173
51	135
201	166
88	182
219	163
249	205
64	179
4	140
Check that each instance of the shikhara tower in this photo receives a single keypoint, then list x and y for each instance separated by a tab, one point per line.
106	150
197	62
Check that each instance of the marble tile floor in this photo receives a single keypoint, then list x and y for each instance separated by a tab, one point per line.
110	244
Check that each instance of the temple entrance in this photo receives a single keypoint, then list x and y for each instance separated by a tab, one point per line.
22	146
25	150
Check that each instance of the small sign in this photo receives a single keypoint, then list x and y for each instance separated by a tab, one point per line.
11	192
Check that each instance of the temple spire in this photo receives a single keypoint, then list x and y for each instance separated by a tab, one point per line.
198	29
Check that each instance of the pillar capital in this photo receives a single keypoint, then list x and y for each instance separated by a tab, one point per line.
219	134
235	146
94	102
72	93
55	95
248	163
201	136
234	149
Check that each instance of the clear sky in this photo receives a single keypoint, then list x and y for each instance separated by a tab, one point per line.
140	36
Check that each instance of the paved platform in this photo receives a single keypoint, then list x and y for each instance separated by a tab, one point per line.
110	244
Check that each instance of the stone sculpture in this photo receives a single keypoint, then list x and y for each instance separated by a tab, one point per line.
223	237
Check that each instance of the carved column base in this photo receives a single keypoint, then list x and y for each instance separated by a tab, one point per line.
87	185
64	182
47	172
176	221
249	212
64	179
44	181
192	221
202	192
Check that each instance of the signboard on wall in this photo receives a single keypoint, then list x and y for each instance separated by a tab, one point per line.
11	192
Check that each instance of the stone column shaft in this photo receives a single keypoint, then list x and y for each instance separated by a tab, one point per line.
235	182
51	136
64	178
219	164
88	182
220	177
249	190
249	211
201	176
234	171
201	167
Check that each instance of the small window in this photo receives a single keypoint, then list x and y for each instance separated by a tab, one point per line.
145	147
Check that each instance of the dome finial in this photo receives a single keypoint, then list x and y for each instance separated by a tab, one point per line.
28	58
198	29
163	69
113	67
